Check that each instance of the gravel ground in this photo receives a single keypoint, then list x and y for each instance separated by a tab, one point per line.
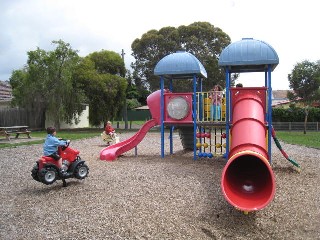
147	197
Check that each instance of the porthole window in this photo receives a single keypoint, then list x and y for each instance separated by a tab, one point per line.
178	108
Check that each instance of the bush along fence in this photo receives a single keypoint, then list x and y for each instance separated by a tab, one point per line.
295	114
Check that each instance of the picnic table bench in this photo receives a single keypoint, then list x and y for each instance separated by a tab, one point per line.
14	130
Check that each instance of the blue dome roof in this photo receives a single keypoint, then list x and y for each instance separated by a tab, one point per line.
180	65
248	55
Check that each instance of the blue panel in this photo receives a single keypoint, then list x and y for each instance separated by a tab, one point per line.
180	64
248	55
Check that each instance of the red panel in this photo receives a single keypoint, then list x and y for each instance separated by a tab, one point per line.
168	97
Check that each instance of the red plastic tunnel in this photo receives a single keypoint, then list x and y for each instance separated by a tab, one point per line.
248	181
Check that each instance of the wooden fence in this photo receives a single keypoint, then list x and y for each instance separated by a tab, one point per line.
21	117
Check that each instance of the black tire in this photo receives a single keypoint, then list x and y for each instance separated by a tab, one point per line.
48	175
34	172
81	171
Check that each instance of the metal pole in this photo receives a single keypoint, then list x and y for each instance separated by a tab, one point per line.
228	110
162	116
269	112
194	116
171	127
125	114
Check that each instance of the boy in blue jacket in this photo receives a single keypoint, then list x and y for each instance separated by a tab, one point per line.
51	144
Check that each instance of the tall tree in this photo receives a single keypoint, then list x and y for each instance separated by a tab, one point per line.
202	39
46	83
108	62
305	82
99	77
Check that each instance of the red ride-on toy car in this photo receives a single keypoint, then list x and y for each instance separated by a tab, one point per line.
47	170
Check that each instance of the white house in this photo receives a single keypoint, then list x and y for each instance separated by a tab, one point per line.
83	123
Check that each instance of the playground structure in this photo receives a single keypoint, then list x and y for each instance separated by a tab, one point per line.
243	133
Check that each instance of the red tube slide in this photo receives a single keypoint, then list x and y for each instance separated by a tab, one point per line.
248	181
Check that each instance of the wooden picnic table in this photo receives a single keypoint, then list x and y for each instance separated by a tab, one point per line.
17	130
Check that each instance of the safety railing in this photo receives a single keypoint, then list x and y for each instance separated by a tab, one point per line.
211	106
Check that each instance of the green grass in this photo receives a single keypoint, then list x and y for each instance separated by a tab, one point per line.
310	139
72	135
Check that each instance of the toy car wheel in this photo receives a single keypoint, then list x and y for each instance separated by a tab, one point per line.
34	172
48	175
81	171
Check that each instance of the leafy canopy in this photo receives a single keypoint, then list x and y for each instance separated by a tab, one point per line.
99	76
201	39
58	82
45	83
305	82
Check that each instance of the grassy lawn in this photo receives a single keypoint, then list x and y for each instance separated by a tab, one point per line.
69	134
310	139
72	135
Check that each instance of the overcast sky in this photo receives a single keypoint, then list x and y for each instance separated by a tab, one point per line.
290	27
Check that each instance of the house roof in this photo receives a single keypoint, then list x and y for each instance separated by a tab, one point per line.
142	108
280	94
5	91
276	102
279	97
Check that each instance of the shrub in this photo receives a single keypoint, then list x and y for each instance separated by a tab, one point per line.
295	114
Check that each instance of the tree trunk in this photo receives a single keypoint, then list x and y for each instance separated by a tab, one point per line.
306	113
57	124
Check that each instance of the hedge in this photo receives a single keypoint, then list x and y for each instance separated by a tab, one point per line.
295	114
